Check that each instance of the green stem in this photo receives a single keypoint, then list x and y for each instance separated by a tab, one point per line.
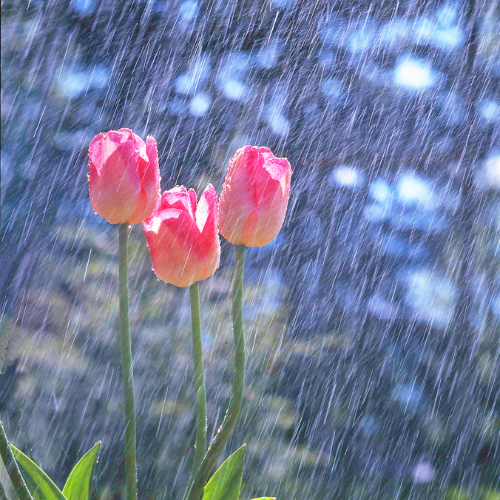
127	371
12	468
195	491
199	381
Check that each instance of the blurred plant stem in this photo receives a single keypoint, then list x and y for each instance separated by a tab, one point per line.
127	370
3	495
195	491
199	381
12	468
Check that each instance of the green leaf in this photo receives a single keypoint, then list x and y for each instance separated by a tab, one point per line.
40	485
77	486
264	498
225	484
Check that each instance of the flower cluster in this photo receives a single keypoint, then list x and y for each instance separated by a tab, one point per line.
182	232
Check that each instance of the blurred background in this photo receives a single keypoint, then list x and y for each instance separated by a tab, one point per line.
373	320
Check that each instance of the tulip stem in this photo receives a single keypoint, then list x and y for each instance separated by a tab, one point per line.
12	469
195	491
127	370
199	381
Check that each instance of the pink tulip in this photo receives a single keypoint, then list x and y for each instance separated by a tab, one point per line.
182	236
124	178
254	197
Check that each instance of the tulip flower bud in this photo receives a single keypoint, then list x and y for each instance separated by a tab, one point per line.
182	236
124	178
254	197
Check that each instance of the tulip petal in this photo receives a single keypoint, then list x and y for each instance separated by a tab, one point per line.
254	197
182	252
182	199
237	200
124	179
171	238
206	221
192	203
149	173
114	179
206	211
